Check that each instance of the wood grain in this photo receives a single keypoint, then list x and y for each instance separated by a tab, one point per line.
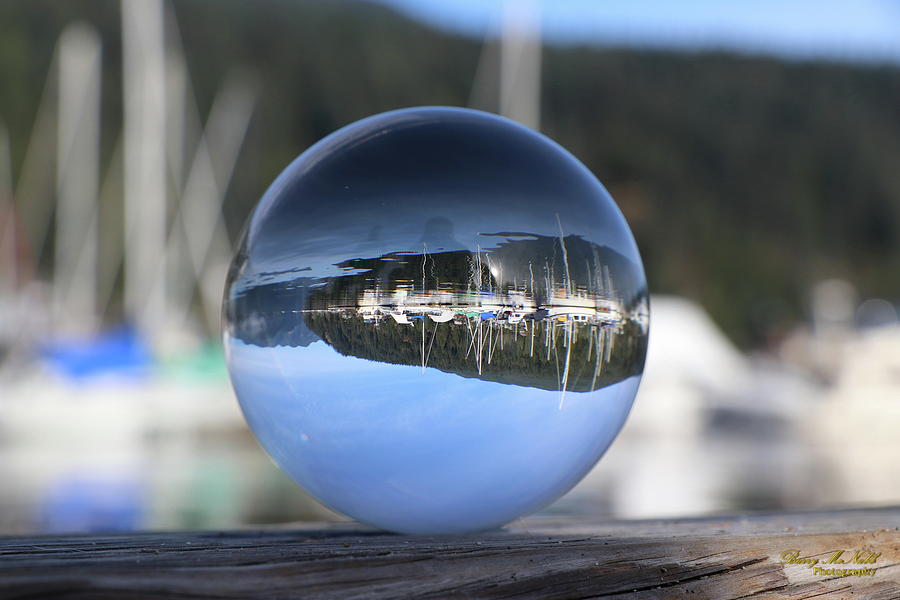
715	558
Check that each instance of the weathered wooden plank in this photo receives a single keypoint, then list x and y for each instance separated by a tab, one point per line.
737	557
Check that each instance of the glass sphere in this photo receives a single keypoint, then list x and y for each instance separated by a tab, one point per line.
436	320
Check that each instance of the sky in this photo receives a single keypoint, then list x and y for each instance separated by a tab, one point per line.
863	30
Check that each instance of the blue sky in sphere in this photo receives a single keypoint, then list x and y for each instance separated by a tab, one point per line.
864	30
420	450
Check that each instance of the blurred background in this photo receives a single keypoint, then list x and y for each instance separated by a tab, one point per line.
754	147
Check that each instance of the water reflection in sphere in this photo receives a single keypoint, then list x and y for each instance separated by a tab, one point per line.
436	320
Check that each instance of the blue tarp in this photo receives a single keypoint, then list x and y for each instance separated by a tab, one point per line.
119	351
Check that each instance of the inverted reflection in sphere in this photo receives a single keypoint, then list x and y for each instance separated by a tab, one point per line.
436	320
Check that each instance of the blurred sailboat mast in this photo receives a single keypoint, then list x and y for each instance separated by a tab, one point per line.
78	147
196	247
145	190
32	184
9	268
520	63
198	233
508	74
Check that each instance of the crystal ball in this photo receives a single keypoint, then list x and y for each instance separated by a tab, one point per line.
436	320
